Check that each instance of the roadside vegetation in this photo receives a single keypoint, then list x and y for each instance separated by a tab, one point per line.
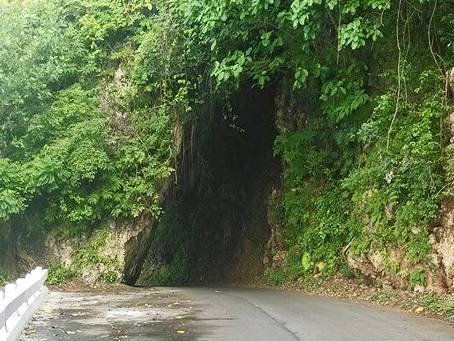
418	303
3	279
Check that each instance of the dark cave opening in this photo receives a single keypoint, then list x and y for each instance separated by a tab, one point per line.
224	209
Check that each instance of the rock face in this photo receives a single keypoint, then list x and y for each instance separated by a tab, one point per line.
136	249
117	248
450	82
289	117
439	275
442	240
442	236
274	246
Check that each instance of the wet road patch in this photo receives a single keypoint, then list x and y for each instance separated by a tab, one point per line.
131	313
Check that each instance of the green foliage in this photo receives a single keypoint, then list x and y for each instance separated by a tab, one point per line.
319	226
418	278
3	278
110	277
389	197
170	259
275	276
259	39
175	272
59	274
367	175
306	262
342	98
439	304
396	186
37	58
142	164
62	148
89	254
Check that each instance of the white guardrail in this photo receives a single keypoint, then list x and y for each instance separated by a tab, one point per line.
19	301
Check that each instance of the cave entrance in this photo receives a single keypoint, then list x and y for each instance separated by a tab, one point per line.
221	199
226	205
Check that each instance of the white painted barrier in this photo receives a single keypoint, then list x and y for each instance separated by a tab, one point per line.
19	301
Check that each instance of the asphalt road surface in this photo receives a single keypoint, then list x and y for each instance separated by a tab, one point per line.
221	315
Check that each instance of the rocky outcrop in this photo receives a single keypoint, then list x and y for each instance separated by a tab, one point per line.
450	83
442	240
442	235
117	248
289	118
136	249
274	254
392	267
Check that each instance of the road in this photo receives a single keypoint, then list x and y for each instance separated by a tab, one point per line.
221	315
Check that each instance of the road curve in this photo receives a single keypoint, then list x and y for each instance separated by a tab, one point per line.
222	315
251	314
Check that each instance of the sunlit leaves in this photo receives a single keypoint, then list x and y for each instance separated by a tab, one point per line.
300	78
12	198
11	202
356	33
32	61
55	123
